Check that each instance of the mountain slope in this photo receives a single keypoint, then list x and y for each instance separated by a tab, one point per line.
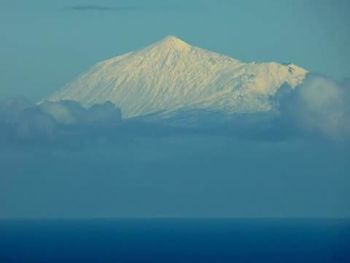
171	75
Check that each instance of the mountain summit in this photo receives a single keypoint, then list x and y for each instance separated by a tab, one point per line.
171	75
174	43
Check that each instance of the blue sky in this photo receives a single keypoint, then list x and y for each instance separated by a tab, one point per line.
45	44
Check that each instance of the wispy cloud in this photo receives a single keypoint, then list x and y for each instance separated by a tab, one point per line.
101	8
132	5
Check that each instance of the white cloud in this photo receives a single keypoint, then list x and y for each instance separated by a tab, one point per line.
320	105
21	119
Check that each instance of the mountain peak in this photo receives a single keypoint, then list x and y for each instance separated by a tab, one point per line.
173	42
171	75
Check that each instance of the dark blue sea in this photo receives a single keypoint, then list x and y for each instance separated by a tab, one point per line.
175	240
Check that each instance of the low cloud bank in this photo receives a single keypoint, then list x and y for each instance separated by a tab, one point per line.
60	160
24	120
318	108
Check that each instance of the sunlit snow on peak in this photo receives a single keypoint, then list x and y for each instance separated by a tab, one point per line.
172	75
171	43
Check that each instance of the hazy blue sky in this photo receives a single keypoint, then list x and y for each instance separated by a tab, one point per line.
293	164
45	44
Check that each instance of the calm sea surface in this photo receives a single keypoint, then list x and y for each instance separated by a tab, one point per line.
168	240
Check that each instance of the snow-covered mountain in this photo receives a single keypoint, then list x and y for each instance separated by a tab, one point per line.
171	76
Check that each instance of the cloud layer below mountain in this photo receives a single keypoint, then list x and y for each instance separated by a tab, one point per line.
319	108
62	160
